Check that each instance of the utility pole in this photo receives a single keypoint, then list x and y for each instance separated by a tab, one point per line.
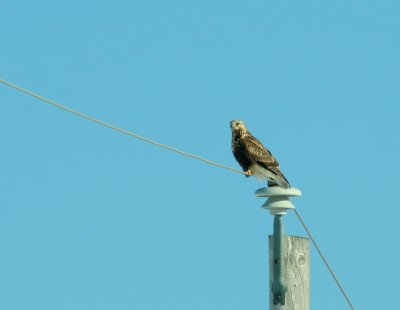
289	256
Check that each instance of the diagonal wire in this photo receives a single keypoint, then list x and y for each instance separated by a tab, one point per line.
121	130
324	259
100	122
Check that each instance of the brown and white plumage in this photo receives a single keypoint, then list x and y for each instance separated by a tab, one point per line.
254	158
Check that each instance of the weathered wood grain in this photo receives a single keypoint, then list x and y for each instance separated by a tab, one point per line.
297	273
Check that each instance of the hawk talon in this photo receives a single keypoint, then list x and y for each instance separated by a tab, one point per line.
248	173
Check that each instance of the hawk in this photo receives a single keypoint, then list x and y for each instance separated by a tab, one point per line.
254	158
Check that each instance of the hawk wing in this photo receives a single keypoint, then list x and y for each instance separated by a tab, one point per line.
259	154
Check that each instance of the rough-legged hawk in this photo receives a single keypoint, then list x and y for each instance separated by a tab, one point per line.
254	158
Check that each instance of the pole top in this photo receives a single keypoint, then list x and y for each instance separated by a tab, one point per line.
278	199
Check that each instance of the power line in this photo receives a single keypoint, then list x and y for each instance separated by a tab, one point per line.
121	130
324	259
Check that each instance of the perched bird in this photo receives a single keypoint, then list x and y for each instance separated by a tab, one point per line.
254	158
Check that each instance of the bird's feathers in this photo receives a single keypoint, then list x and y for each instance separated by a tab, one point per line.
254	148
254	157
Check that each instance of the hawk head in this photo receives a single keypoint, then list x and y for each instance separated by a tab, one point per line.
237	125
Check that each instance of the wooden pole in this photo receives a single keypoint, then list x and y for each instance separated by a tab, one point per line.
296	271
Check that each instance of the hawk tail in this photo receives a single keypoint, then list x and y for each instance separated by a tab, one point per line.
280	181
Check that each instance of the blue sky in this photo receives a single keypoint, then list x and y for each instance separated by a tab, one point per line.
92	219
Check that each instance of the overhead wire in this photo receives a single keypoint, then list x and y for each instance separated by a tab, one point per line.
121	130
324	259
161	145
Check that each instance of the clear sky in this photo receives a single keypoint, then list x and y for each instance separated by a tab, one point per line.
92	219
